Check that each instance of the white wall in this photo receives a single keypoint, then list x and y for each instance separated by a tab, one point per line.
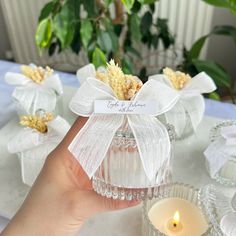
220	48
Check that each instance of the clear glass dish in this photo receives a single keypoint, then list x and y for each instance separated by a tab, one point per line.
216	202
175	190
121	174
227	174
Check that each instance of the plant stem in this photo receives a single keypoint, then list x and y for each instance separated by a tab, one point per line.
119	11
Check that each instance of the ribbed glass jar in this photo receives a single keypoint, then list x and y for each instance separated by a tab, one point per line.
121	174
175	190
216	202
227	174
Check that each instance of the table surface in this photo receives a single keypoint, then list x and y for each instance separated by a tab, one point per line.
213	108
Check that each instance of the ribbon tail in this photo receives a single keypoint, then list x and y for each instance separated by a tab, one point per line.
153	142
53	82
177	117
98	129
195	107
216	156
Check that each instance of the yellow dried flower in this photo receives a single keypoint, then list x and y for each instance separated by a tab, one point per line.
37	74
177	78
37	122
124	86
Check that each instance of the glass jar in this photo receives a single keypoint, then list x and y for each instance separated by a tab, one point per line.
32	161
175	190
121	174
216	203
187	126
227	174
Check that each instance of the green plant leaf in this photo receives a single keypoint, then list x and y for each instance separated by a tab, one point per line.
146	22
147	1
90	7
197	47
164	33
229	4
127	65
46	11
134	26
107	3
128	4
214	70
114	41
99	58
62	26
44	33
86	31
214	96
136	7
104	41
52	48
76	42
133	51
227	30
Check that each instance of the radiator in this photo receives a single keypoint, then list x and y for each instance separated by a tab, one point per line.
188	20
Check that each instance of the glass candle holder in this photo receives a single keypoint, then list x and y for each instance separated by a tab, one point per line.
216	202
181	197
227	174
121	174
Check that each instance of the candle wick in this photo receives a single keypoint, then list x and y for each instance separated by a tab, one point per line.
175	225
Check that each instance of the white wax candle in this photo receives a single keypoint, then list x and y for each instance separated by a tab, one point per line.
192	220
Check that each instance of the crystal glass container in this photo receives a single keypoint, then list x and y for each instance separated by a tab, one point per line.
216	202
175	190
121	174
188	128
227	174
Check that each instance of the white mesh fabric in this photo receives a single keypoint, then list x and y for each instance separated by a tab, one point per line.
153	90
90	145
220	151
195	107
152	140
92	89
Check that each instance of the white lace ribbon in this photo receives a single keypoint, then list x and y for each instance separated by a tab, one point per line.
92	142
190	102
220	151
28	139
27	92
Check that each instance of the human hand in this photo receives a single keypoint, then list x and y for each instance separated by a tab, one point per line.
61	198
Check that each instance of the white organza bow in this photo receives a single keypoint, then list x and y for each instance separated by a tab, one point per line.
27	92
190	100
92	142
219	151
28	139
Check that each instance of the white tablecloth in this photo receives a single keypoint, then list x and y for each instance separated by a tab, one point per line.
213	108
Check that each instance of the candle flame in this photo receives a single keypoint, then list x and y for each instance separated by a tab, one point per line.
176	219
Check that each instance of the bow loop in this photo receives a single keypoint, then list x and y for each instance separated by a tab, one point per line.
152	90
92	89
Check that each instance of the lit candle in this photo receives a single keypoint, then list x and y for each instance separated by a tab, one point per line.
174	224
177	217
